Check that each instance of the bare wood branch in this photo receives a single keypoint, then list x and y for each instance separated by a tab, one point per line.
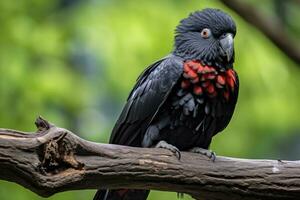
54	160
269	27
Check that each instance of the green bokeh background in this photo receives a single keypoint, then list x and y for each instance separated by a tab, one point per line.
74	63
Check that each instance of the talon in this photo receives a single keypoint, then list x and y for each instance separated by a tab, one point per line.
178	155
210	154
213	156
164	145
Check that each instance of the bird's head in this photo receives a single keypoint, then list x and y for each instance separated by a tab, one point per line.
206	35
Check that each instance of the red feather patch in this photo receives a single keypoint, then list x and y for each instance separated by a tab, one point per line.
230	78
192	74
210	88
185	84
198	90
208	79
221	80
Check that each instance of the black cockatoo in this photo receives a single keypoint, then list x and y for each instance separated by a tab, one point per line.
181	101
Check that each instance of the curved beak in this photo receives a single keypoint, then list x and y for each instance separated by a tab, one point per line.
227	46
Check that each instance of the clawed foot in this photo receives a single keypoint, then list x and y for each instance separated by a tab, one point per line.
210	154
163	144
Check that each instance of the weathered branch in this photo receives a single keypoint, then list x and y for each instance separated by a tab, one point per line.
54	160
272	29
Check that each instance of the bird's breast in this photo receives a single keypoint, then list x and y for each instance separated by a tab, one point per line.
202	96
207	81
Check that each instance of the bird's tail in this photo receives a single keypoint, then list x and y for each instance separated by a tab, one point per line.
121	194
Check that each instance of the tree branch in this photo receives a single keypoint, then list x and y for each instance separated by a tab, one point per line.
272	29
54	160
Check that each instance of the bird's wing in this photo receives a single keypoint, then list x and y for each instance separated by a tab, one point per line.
150	91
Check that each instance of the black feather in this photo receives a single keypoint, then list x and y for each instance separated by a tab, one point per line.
163	75
158	108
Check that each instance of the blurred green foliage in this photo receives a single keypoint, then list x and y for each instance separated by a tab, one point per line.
74	62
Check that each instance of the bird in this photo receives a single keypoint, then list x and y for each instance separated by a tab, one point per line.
184	99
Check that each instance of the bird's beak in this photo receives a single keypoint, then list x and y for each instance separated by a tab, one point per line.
227	46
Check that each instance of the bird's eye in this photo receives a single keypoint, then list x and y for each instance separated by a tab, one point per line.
205	33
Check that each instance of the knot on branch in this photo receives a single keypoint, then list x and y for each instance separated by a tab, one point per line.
58	155
42	124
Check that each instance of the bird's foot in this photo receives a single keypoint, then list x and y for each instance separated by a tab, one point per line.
208	153
164	145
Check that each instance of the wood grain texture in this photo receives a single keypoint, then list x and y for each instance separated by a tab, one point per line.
53	160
